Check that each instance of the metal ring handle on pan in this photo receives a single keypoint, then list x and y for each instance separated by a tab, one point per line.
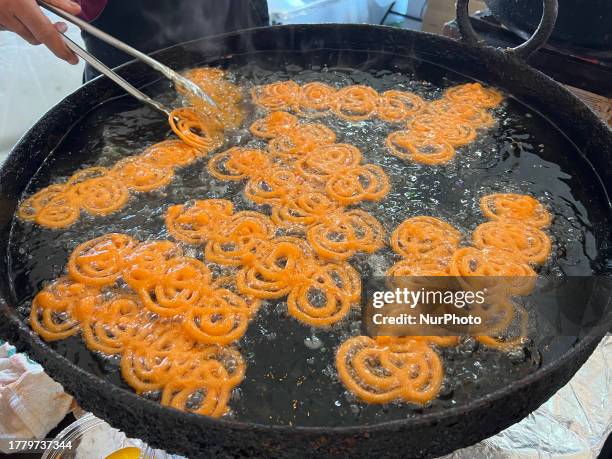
537	40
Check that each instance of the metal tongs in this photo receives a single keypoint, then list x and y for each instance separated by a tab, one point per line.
173	76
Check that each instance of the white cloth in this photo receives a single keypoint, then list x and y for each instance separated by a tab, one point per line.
31	403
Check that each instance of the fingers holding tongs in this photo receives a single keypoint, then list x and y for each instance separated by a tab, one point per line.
175	77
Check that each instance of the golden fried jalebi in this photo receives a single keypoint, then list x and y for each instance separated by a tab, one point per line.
144	264
301	140
326	296
149	358
196	223
396	106
171	153
527	242
506	341
238	163
54	309
315	100
359	183
101	195
355	103
442	129
212	398
377	374
225	94
177	285
511	206
474	94
99	261
342	234
109	326
195	129
138	174
60	211
463	112
273	125
235	243
425	237
229	283
306	208
277	267
271	185
30	207
276	96
318	302
420	265
512	276
324	161
221	317
419	148
203	384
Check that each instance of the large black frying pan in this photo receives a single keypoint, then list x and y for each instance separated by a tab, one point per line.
429	434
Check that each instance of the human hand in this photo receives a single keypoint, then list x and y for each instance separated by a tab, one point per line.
25	18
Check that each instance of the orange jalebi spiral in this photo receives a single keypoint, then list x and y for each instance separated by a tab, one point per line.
326	296
377	374
474	94
236	242
511	206
203	385
355	103
221	317
426	237
238	163
171	153
54	309
99	261
101	195
359	183
301	141
442	129
306	208
326	160
60	211
419	148
420	265
396	106
195	129
278	266
271	186
508	339
527	242
149	358
340	235
280	95
226	95
196	223
464	112
29	208
512	276
315	100
109	326
180	284
273	125
139	174
144	264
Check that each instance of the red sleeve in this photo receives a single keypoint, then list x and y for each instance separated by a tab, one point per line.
91	9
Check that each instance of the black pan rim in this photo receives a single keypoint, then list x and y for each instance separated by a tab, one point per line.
74	372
